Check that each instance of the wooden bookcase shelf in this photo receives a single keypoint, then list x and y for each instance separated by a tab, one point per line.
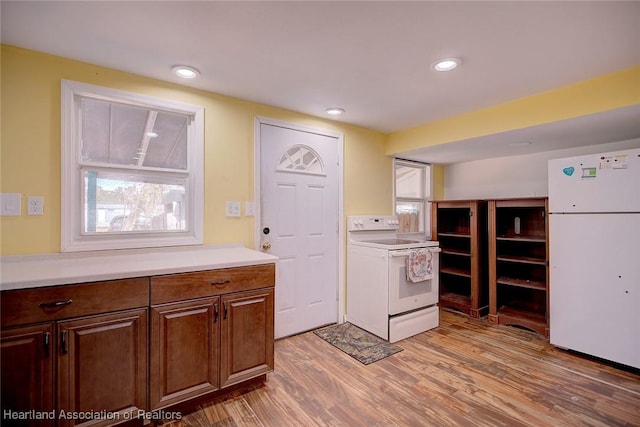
456	252
519	263
521	283
464	236
460	228
456	271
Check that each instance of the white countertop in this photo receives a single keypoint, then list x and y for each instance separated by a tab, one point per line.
32	271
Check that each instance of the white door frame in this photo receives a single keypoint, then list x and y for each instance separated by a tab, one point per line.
340	223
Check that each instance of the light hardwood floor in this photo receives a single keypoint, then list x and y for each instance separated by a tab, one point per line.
465	372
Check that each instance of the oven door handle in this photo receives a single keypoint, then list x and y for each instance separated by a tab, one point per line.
407	252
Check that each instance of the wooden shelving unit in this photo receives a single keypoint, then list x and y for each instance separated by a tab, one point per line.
460	228
519	263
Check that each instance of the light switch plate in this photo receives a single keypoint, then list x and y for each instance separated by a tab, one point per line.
11	204
250	208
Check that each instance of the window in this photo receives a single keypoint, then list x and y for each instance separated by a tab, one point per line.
301	159
412	191
132	173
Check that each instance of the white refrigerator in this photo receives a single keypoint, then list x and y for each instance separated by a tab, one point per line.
594	255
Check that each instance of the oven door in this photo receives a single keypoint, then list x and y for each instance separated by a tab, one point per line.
406	296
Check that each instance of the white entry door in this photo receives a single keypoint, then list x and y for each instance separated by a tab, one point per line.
299	224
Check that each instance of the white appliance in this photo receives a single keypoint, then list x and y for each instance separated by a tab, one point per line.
594	253
379	297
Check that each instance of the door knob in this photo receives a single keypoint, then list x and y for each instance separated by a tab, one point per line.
266	246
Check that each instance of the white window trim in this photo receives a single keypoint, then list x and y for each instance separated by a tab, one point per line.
71	238
426	215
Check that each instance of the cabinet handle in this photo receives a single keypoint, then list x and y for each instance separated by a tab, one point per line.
224	317
47	337
222	282
63	341
55	303
215	313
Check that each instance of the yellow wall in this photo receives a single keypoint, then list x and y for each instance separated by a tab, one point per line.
30	141
437	178
611	91
30	149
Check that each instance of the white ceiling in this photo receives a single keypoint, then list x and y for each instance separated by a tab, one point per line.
371	58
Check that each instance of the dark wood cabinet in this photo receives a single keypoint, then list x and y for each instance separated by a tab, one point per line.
247	336
460	228
102	366
519	263
88	353
28	372
114	350
209	332
185	341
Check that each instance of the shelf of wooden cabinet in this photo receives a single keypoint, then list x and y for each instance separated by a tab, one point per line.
456	300
518	316
452	234
522	259
455	271
521	283
458	252
523	238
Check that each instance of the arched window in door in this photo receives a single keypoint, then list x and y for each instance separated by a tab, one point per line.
301	158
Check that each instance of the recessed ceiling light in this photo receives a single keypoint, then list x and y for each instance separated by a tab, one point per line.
334	111
446	64
185	71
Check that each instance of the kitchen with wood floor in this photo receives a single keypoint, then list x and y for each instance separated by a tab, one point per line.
314	213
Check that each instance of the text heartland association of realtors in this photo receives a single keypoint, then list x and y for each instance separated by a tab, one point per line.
8	414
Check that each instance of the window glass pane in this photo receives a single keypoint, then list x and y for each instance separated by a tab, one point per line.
126	203
167	146
410	181
129	135
301	158
410	215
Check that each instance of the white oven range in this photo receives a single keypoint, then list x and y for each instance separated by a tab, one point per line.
380	299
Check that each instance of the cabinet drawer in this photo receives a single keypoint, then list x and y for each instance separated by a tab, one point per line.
26	306
177	287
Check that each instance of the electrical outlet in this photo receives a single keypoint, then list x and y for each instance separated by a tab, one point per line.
35	205
233	209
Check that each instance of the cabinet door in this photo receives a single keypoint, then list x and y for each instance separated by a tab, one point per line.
102	366
185	342
247	336
27	371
